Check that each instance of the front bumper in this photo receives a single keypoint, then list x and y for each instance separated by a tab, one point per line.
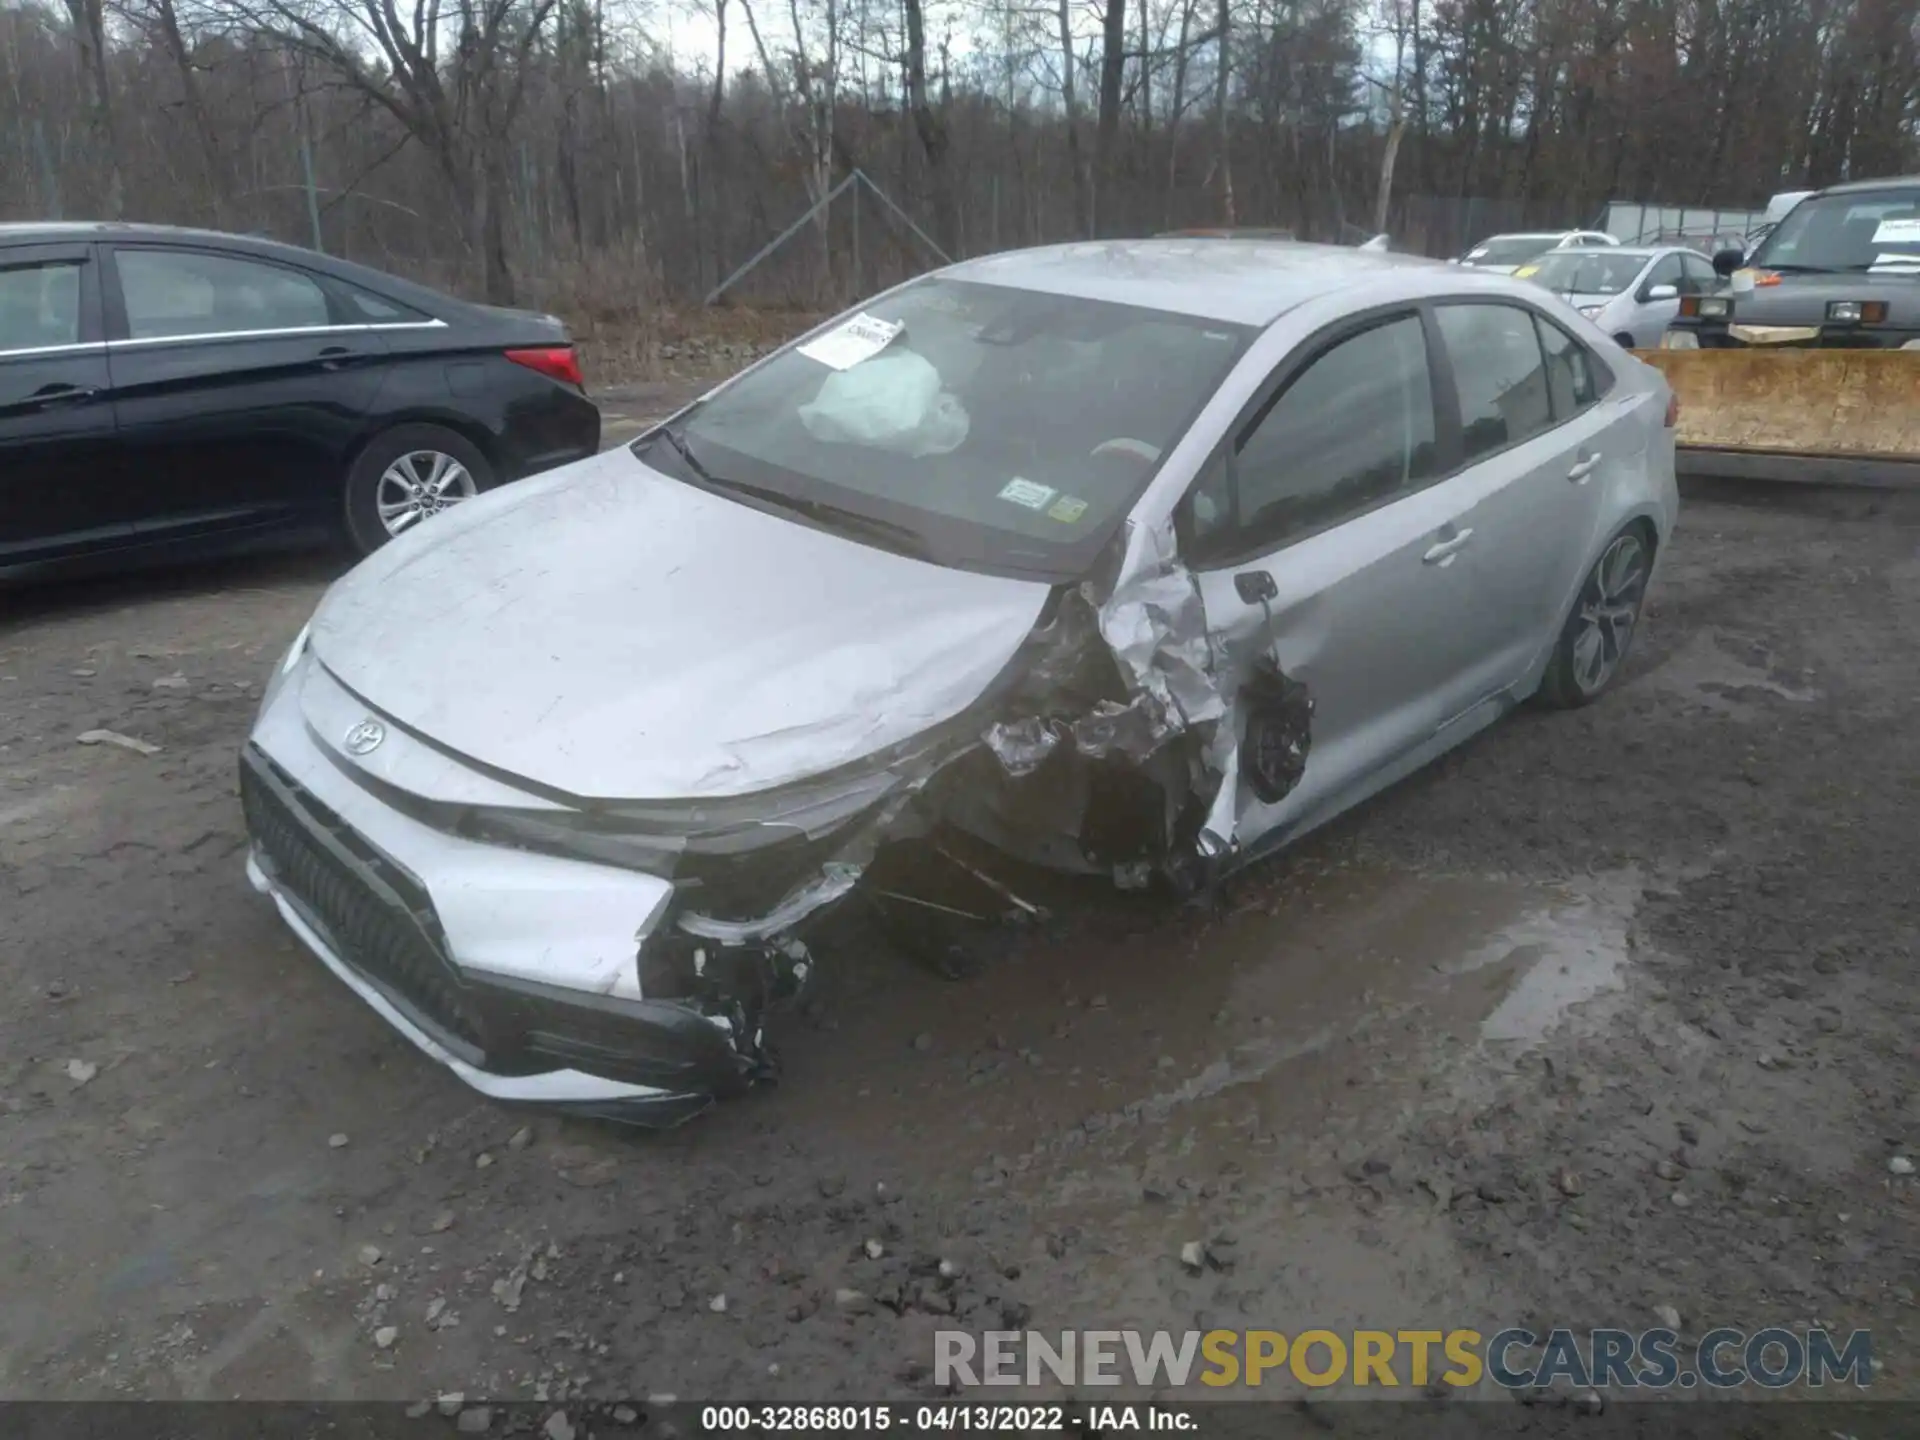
1819	335
519	1031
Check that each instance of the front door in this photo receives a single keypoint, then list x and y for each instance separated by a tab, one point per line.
237	384
1326	539
58	470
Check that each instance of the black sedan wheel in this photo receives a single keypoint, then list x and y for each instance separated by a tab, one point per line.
407	476
1594	644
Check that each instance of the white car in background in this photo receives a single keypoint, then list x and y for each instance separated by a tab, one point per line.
1503	254
1631	292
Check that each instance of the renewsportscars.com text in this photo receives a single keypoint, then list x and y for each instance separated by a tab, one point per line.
1515	1359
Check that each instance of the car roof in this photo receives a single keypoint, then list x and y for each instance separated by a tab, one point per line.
1853	187
1537	235
1629	252
54	232
1246	281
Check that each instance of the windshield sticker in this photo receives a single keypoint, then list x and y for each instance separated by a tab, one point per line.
846	345
1067	509
1027	493
1525	270
1896	261
1902	231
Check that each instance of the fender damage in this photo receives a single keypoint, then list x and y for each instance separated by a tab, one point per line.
1122	741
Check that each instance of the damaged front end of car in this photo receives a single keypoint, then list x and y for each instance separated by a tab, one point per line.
1117	743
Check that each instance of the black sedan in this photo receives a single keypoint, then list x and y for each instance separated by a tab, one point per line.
166	393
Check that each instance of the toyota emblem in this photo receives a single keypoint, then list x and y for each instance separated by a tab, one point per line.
365	738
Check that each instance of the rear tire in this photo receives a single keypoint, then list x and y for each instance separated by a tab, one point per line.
1593	644
406	475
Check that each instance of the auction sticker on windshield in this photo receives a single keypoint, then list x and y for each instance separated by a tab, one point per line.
852	341
1904	230
1067	509
1027	493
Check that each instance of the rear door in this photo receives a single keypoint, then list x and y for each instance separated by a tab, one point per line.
1323	536
240	386
1536	444
58	470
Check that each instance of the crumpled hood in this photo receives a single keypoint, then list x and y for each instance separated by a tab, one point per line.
609	632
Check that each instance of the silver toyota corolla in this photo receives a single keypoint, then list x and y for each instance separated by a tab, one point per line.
1135	559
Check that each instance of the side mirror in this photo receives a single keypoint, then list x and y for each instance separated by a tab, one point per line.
1725	262
1657	293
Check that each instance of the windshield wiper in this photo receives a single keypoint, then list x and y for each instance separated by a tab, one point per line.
888	534
685	452
825	513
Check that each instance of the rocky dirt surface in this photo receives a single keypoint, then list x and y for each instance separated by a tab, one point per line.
1609	1013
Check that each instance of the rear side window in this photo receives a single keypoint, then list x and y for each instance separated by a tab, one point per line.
370	309
177	293
39	306
1354	429
1499	373
1572	381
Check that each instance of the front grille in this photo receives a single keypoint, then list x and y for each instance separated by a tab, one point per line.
375	916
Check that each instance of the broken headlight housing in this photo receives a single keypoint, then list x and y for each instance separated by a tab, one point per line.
708	842
676	840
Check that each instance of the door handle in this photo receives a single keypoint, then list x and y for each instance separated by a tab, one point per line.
1442	552
338	357
58	396
1583	468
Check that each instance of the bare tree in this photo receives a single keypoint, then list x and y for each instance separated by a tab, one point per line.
549	149
460	106
929	126
89	28
1082	207
1224	136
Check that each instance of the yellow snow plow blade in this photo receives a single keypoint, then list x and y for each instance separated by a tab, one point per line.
1827	416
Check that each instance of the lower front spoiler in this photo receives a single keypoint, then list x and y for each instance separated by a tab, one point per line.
572	1090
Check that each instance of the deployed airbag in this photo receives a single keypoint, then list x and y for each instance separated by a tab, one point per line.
891	402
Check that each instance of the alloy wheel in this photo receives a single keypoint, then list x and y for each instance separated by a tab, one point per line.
418	484
1609	609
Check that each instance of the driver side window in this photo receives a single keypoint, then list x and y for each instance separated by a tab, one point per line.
1350	432
1667	272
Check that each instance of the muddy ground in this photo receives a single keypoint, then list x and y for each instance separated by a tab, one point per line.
1609	1011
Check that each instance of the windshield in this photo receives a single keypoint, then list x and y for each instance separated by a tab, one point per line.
1865	230
1510	249
1585	272
983	427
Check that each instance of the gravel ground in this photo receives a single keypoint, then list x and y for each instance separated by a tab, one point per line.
1608	1012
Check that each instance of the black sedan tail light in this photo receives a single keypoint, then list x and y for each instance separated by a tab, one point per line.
556	362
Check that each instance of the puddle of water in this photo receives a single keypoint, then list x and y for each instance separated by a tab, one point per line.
1707	673
1319	982
1567	952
